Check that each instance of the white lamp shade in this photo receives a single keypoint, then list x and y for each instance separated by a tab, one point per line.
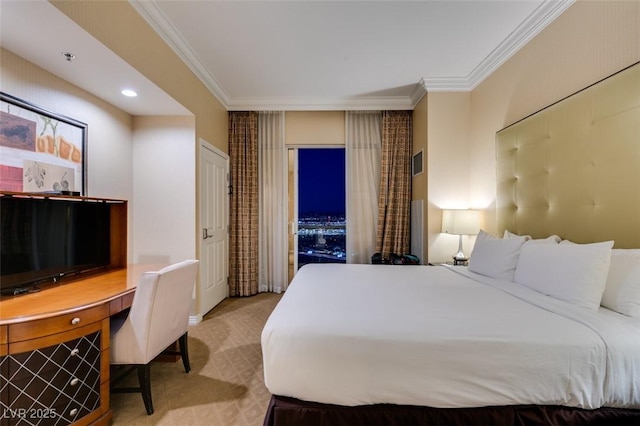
461	222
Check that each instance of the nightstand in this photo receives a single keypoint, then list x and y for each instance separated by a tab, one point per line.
448	263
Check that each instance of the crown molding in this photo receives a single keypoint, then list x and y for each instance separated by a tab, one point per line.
542	16
446	84
322	104
154	16
418	92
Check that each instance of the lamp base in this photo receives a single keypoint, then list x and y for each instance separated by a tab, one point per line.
460	261
459	258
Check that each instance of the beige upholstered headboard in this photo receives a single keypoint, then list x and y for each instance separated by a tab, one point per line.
573	169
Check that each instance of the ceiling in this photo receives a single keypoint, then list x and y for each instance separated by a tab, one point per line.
292	55
95	69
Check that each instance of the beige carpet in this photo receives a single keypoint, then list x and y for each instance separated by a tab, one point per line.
225	386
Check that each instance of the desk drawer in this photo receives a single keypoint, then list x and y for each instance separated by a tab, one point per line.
75	357
47	326
121	303
53	389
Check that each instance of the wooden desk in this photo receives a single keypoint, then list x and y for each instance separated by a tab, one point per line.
54	344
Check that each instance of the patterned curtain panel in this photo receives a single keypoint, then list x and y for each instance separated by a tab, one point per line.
243	238
394	202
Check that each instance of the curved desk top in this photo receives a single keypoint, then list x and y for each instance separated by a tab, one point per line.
73	295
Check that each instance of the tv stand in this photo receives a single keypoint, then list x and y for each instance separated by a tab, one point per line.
54	343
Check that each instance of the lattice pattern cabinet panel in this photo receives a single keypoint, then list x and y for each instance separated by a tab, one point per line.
54	385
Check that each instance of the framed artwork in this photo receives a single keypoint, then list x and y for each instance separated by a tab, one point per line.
40	151
416	163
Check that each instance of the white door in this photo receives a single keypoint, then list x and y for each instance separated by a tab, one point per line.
214	220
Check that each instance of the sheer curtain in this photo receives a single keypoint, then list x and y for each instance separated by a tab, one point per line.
394	211
243	233
272	171
363	146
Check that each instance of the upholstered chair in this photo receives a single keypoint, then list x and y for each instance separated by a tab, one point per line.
158	318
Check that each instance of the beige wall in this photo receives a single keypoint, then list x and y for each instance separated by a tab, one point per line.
109	161
449	176
589	41
314	128
119	27
419	183
127	158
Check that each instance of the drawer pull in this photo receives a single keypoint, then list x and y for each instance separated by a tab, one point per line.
73	412
74	381
75	352
75	321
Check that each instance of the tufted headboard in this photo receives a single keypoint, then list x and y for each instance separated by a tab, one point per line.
573	168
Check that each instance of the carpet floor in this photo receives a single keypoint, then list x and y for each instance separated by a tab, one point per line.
225	386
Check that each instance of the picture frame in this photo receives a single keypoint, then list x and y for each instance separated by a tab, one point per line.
416	163
40	151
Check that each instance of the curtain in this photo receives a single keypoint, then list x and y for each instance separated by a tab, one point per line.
394	201
243	232
363	147
272	166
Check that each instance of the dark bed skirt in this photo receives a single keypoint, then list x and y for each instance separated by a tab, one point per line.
285	411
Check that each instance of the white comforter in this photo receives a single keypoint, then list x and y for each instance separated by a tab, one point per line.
443	337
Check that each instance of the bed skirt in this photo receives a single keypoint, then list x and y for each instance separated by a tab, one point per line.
285	411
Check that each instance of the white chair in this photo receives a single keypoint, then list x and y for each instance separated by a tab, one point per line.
159	317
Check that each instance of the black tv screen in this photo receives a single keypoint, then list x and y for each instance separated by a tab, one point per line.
47	238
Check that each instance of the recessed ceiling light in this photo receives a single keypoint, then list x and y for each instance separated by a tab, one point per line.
129	93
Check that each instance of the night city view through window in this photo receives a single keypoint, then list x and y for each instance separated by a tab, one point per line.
321	206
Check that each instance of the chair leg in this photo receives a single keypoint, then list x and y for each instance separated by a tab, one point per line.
184	352
144	377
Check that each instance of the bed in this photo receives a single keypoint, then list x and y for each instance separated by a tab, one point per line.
443	337
534	331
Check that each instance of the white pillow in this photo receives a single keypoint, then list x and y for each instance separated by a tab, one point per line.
550	239
495	257
622	293
575	273
508	234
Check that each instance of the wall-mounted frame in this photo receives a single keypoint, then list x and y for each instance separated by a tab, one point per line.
40	151
417	163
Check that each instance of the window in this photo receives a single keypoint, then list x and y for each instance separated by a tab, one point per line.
321	206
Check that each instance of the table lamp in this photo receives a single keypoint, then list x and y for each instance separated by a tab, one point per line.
460	222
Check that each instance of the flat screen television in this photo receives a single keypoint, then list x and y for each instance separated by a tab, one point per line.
44	239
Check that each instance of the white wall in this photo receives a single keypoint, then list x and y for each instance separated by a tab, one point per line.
148	161
109	159
164	188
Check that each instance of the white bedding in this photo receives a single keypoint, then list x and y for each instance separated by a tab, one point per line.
443	337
